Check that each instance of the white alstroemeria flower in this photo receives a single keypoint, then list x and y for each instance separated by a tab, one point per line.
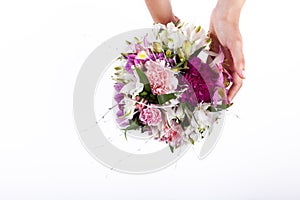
189	130
157	28
170	35
198	34
129	107
134	86
174	101
195	35
161	32
126	77
175	36
171	27
201	120
187	30
175	40
172	114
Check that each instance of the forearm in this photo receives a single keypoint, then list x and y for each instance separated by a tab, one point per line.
161	11
229	10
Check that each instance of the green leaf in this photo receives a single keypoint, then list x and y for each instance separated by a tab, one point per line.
163	98
188	106
143	79
219	107
125	134
179	64
212	109
186	121
171	148
143	94
133	126
196	53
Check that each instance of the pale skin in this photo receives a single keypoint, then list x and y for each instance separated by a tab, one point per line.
224	31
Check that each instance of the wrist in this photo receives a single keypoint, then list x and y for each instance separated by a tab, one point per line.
228	10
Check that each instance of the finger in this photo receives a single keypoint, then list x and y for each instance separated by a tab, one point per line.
236	50
237	84
176	20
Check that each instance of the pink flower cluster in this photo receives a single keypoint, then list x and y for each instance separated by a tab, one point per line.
150	116
162	79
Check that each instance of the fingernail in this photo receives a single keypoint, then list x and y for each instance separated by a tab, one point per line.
243	73
229	101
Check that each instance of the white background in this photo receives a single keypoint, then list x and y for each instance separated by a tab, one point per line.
42	47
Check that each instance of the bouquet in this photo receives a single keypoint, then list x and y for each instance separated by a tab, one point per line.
164	89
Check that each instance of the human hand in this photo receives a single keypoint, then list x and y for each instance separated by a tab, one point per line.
161	11
224	32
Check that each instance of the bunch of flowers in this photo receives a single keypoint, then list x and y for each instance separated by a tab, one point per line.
163	88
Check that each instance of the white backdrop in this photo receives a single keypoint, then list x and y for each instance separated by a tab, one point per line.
42	47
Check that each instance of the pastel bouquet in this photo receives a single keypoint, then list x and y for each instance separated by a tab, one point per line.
163	88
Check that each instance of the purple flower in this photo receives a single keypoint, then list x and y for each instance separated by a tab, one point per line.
118	87
128	66
120	106
119	97
120	113
122	122
132	60
203	82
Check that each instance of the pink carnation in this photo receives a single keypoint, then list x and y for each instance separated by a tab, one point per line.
150	116
162	79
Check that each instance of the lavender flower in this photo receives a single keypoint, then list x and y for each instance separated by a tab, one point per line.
118	86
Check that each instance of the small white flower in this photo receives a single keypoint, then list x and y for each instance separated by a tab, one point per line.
129	107
134	86
171	27
172	114
202	119
175	40
198	34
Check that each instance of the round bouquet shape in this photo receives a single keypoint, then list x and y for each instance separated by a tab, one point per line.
170	87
